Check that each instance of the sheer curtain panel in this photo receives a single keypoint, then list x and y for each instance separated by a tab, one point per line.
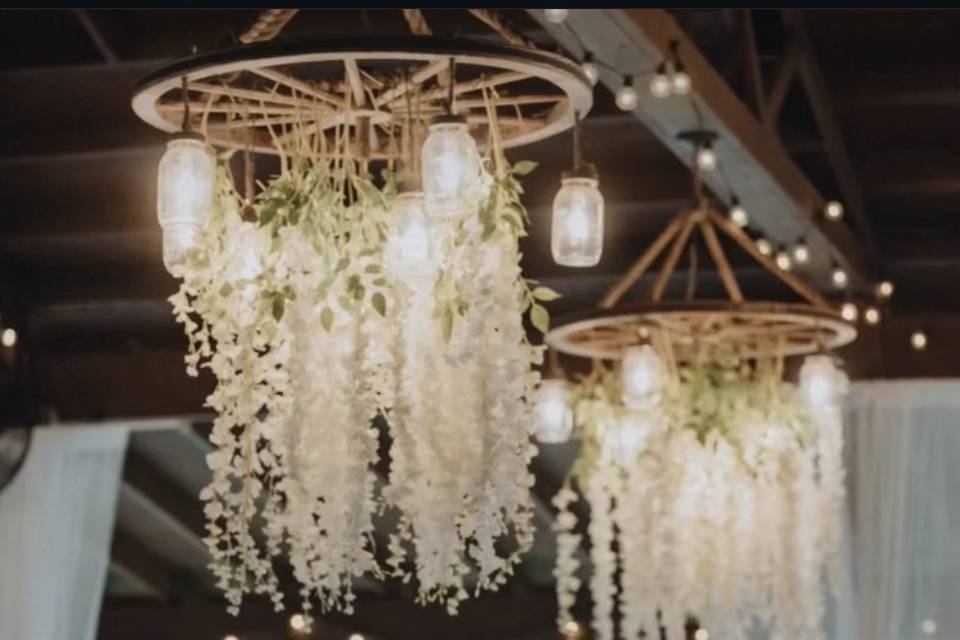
56	522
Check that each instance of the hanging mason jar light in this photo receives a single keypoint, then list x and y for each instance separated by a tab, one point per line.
641	377
822	383
410	251
185	189
553	415
450	163
577	230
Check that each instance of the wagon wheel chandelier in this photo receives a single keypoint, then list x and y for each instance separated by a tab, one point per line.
376	276
714	486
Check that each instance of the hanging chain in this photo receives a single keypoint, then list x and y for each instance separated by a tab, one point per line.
185	126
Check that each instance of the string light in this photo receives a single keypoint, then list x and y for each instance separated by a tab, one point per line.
298	622
918	340
680	81
556	16
833	210
571	629
9	337
627	97
701	634
871	315
230	637
589	68
839	278
885	289
764	246
660	85
783	260
738	215
849	312
356	636
801	252
706	157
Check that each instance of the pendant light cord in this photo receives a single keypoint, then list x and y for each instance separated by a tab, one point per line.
185	126
577	150
452	82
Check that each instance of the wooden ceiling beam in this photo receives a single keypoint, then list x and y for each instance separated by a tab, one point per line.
820	102
781	200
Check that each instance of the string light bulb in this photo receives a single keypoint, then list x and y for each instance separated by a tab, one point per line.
871	315
589	68
929	626
783	260
356	636
627	97
701	634
737	214
764	246
571	629
9	337
660	84
918	340
849	312
298	622
885	289
680	82
839	278
706	157
801	252
833	210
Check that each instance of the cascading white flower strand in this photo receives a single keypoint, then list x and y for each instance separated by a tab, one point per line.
330	301
720	500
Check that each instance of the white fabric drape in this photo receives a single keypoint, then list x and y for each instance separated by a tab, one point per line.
904	478
56	523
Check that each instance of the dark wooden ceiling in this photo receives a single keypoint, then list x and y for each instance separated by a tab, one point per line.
81	277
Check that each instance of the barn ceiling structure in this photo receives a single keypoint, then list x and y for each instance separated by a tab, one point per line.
809	106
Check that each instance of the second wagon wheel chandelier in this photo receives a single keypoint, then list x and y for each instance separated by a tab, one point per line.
714	486
375	277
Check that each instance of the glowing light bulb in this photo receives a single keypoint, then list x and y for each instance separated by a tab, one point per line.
552	412
801	253
839	278
410	241
356	636
556	16
641	377
821	382
577	227
571	629
680	81
589	68
298	622
627	97
885	289
624	438
871	315
918	340
738	215
849	312
9	337
230	636
660	85
451	169
833	210
783	260
185	187
706	157
764	246
701	634
929	626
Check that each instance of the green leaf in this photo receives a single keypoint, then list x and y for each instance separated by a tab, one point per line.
326	319
546	294
540	318
379	303
523	167
279	302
